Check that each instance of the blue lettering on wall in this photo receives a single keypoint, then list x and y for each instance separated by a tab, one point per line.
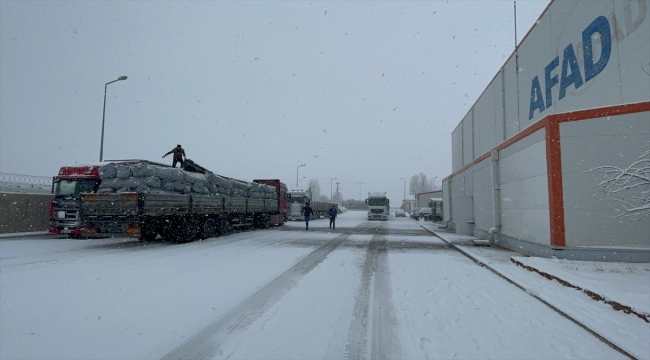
536	98
575	78
571	74
550	81
601	26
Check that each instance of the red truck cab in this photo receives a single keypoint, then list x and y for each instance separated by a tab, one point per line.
67	188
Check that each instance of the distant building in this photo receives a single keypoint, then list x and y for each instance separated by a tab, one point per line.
424	199
408	205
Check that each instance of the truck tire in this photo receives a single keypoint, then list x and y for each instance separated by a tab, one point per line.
265	222
224	228
189	229
148	233
209	229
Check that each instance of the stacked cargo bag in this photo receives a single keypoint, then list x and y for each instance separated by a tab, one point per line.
197	182
219	185
148	178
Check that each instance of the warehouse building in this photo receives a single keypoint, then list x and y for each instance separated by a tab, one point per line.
552	159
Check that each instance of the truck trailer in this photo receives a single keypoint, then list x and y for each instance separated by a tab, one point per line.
178	217
299	198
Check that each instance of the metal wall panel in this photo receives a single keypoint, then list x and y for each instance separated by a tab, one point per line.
524	190
622	49
633	47
446	199
457	148
535	52
485	121
512	101
483	199
468	138
462	205
590	218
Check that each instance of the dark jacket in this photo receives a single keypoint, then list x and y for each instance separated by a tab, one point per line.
332	212
307	211
178	153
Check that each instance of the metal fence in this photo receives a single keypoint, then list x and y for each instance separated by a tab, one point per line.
25	179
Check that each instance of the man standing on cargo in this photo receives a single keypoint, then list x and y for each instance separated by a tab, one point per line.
332	214
179	155
308	212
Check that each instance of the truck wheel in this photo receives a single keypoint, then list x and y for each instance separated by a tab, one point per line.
224	229
209	229
148	233
190	229
266	223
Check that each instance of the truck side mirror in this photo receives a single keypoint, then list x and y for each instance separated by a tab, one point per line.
366	201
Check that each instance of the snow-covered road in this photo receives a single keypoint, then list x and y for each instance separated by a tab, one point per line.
365	290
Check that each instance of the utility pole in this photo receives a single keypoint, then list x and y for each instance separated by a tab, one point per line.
337	190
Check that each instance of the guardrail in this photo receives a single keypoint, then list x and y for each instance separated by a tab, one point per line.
25	179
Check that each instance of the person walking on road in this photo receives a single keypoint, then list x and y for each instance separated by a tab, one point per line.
308	212
179	155
332	213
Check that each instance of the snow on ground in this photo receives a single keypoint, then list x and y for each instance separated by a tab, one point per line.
116	298
624	330
365	290
454	310
627	284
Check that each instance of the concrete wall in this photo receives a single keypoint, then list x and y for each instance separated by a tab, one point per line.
24	212
590	217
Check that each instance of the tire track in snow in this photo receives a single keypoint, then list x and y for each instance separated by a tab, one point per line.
356	345
382	339
206	342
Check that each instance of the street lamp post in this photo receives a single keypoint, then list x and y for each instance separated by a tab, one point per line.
299	166
433	183
331	188
404	187
101	147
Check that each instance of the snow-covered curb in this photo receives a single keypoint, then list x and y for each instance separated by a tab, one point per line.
23	234
599	296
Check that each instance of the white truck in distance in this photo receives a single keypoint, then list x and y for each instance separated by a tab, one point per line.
378	206
299	198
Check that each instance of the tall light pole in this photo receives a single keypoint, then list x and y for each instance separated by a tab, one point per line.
433	183
299	166
101	147
359	190
331	188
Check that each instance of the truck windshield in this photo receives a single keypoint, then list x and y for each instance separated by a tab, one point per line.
75	187
299	199
376	202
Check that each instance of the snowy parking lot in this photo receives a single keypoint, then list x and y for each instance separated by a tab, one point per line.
364	290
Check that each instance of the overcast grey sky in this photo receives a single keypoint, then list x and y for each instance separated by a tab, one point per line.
359	90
